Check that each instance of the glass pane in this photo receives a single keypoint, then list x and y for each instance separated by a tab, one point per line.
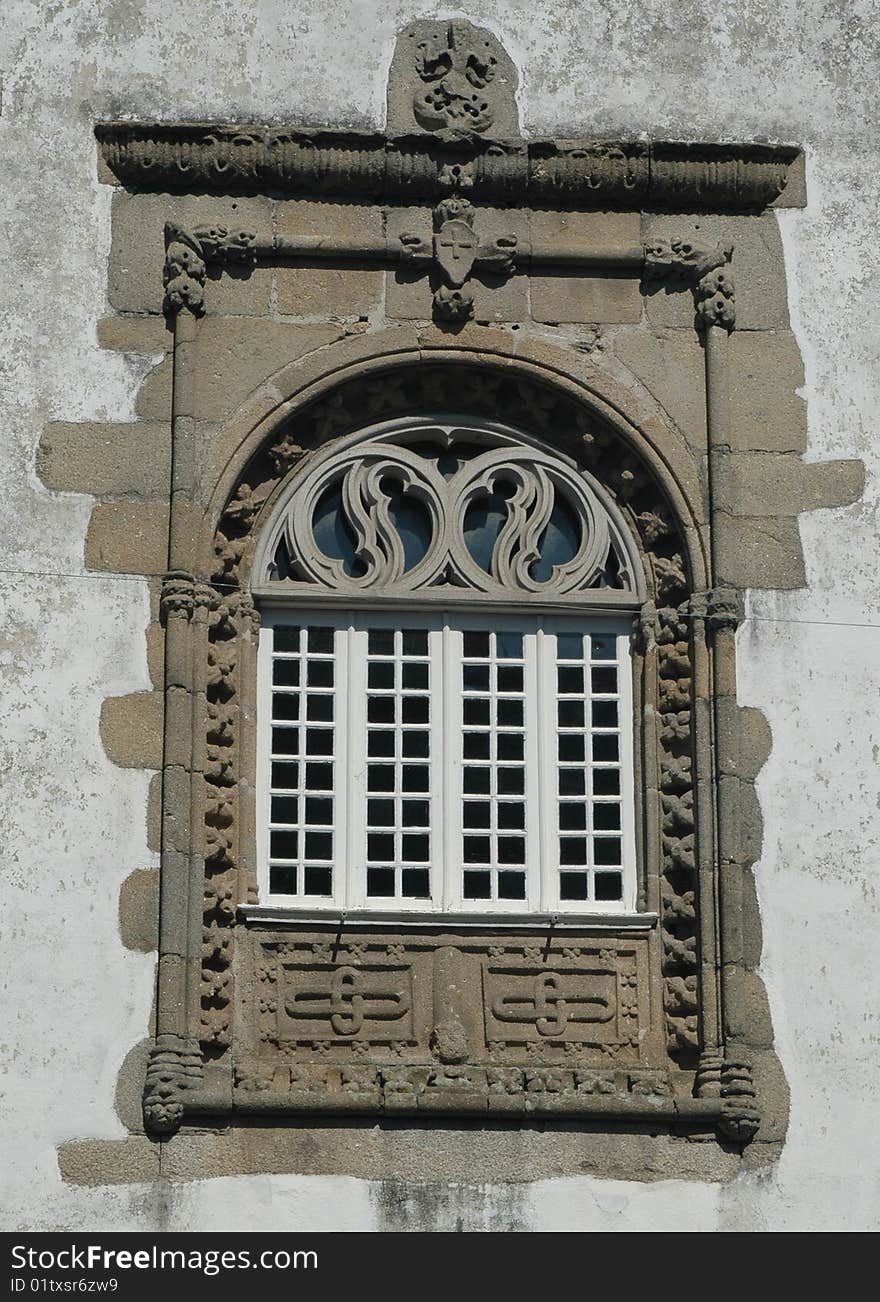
414	847
380	745
609	886
415	813
380	882
318	880
573	886
381	642
285	673
511	885
285	705
333	534
416	884
560	540
483	522
381	675
282	879
285	741
380	813
285	638
320	641
411	520
477	885
509	646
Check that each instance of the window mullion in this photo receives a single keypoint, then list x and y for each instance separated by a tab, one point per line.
447	811
545	729
264	746
351	761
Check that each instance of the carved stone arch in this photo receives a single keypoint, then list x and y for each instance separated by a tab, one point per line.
641	426
583	426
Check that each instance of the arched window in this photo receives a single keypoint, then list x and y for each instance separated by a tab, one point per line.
445	716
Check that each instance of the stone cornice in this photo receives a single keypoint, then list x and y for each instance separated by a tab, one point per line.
624	175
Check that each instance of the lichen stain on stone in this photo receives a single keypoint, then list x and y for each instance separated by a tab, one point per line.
424	1208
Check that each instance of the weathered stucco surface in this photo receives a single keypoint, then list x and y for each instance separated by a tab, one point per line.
78	999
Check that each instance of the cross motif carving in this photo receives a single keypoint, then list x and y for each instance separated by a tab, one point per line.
454	253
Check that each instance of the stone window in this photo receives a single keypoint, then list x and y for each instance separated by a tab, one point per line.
471	466
419	755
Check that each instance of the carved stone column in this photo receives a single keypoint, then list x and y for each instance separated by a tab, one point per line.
175	1063
708	1080
716	314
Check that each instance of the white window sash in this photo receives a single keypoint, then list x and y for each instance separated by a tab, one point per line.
445	632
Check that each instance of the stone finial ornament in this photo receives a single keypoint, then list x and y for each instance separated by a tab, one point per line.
451	79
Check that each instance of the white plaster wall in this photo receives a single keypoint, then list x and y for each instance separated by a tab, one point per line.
74	1000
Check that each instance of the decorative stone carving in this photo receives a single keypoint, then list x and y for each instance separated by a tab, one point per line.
740	1118
628	175
185	255
331	1023
451	78
365	484
175	1066
456	252
678	893
707	270
184	272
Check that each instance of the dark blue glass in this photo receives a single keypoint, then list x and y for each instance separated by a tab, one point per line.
559	542
333	534
411	520
483	522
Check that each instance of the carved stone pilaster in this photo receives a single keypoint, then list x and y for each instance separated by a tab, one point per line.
708	272
175	1066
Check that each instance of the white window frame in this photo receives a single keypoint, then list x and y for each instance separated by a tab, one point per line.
349	866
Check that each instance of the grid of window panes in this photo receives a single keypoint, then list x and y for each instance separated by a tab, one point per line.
398	838
589	768
493	766
301	765
437	763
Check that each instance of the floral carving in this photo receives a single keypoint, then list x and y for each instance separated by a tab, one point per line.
678	887
456	67
707	269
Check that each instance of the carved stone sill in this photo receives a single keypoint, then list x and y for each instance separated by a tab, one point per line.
265	914
224	158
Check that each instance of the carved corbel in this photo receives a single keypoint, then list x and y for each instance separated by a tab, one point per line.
184	272
175	1066
186	255
707	269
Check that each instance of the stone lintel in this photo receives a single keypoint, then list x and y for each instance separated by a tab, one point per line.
626	175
